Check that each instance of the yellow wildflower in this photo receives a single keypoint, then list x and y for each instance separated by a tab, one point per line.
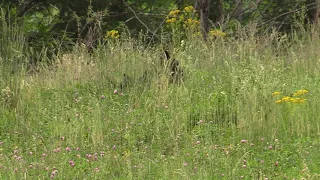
290	99
286	99
300	92
189	9
302	101
174	13
191	22
171	20
278	101
276	93
299	100
113	34
295	100
217	33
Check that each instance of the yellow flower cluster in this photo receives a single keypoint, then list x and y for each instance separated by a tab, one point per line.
191	22
189	9
113	34
300	92
293	99
171	20
177	15
172	17
217	33
276	93
174	13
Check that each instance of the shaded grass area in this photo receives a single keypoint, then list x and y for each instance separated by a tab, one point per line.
222	121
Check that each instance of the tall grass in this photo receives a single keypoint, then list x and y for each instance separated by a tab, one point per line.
221	122
11	56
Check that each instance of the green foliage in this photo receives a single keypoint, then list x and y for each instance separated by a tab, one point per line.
57	25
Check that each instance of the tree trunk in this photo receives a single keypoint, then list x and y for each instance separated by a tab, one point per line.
204	6
313	11
238	10
221	12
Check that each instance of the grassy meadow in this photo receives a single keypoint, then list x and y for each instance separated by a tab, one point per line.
247	108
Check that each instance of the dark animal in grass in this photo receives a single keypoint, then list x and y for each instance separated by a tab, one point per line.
175	71
168	65
126	81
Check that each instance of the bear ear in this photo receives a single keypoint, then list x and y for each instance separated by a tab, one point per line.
167	54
